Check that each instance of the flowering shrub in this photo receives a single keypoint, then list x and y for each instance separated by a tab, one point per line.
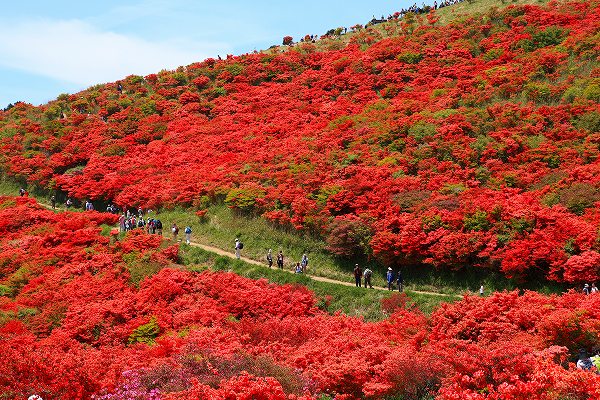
74	326
436	137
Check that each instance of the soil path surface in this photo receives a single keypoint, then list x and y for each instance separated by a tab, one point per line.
230	254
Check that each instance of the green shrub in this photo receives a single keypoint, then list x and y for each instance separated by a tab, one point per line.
589	121
539	92
243	198
145	333
5	290
476	222
410	57
592	90
551	36
493	54
422	130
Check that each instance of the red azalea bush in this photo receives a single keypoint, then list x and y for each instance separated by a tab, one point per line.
73	325
455	145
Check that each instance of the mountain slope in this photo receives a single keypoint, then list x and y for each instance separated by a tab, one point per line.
467	144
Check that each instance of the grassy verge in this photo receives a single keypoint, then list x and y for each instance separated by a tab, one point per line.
470	7
221	226
333	297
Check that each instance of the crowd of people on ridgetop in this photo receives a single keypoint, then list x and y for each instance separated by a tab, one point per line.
414	9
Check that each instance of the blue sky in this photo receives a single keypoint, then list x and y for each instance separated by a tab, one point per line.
53	47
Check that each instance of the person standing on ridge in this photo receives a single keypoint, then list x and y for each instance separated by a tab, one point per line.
367	275
586	289
174	231
188	234
270	258
389	278
400	281
357	275
304	262
238	247
280	260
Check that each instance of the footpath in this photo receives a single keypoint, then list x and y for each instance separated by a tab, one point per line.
230	254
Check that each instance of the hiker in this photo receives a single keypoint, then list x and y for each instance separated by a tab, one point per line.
389	278
68	203
584	362
141	223
21	192
53	202
298	269
122	223
367	275
270	258
481	291
304	262
400	281
238	246
593	289
280	260
188	234
158	226
357	275
586	289
174	231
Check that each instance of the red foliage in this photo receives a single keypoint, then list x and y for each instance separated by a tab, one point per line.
73	325
423	137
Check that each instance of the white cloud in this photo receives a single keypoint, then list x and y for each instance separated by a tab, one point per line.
77	52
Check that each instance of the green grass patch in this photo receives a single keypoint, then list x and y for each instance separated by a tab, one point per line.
331	297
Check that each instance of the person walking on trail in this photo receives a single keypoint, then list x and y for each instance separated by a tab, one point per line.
174	231
389	278
69	203
584	362
188	234
400	281
21	192
586	289
158	226
270	258
53	202
298	269
357	275
122	222
304	262
481	291
280	260
367	275
238	247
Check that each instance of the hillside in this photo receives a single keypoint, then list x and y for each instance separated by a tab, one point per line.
466	145
85	314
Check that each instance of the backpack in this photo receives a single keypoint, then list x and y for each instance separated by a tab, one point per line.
240	245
